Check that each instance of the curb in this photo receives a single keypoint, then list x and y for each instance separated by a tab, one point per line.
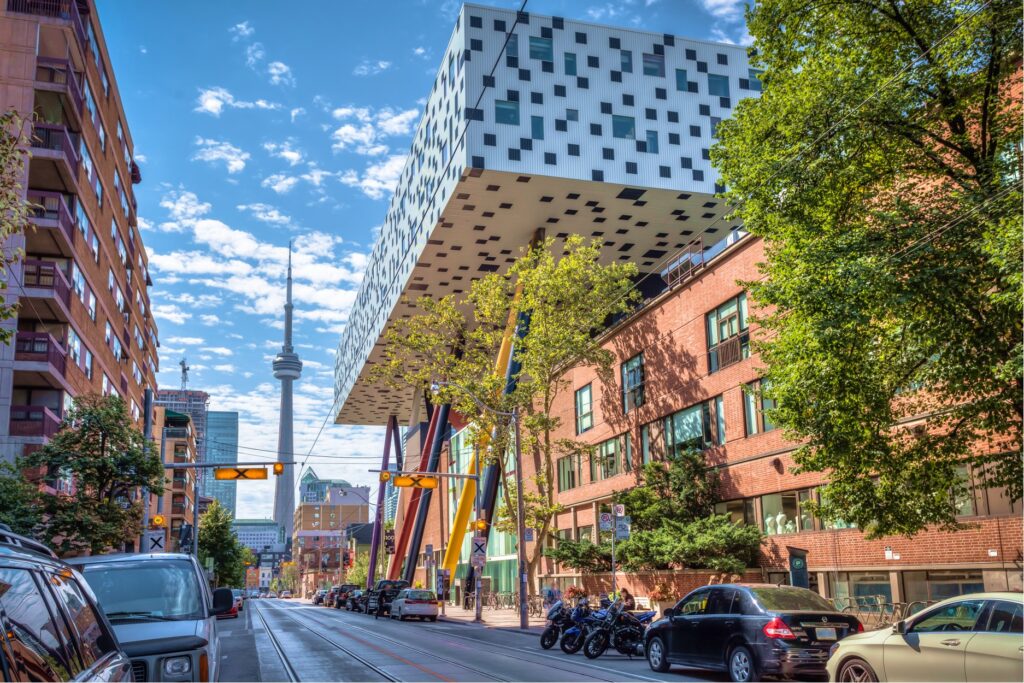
532	630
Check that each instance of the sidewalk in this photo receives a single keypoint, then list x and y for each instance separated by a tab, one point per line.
506	619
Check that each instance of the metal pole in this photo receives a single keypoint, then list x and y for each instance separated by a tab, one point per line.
615	524
478	609
147	430
524	620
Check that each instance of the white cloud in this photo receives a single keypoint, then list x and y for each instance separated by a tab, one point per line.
280	74
218	350
296	112
225	367
396	122
143	50
364	129
280	183
729	10
171	313
211	319
315	176
213	100
371	67
215	151
420	52
254	54
284	150
184	208
265	213
379	179
240	31
743	36
185	341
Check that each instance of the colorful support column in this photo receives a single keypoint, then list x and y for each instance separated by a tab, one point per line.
424	506
402	540
391	435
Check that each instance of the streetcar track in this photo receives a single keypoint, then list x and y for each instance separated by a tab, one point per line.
293	676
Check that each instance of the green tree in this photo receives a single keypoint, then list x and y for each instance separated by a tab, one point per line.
218	541
449	350
20	505
882	167
14	209
289	576
102	454
359	569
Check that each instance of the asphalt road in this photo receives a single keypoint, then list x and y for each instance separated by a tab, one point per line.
298	642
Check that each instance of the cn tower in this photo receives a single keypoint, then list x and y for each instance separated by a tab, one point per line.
287	368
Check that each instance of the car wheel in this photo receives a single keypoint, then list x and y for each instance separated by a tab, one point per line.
742	667
656	655
856	670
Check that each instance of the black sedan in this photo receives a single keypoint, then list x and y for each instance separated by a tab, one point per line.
749	630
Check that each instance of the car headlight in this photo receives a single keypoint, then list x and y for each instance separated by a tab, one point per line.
178	666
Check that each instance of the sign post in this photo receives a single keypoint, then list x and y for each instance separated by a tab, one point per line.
616	522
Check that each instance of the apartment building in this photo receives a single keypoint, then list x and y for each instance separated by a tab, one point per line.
84	322
221	447
175	438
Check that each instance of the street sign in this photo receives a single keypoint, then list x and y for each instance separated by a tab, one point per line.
389	541
234	473
528	535
622	528
606	521
429	549
479	554
620	510
154	541
417	481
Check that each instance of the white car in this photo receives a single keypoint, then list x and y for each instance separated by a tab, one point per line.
414	602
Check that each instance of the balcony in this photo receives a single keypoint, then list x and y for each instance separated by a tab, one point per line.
54	164
58	75
33	421
176	432
55	228
731	351
39	361
45	289
61	11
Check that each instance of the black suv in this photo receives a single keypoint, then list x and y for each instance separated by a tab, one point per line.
378	600
50	626
749	630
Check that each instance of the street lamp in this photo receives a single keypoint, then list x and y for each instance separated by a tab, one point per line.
524	621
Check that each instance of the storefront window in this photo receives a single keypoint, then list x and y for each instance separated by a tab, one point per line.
787	513
740	511
939	585
865	589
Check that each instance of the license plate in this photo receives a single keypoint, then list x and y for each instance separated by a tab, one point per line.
825	633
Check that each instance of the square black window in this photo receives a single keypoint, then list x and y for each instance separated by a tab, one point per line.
691	54
673	138
547	67
525	143
558	23
512	62
593	62
704	110
499	25
523	18
705	154
549	158
490	139
660	93
559	91
686	162
692	86
669	40
719	188
631	167
724	102
574	150
513	154
524	74
616	77
512	95
572	114
702	67
581	38
488	81
744	84
476	44
673	117
537	98
595	129
698	174
606	107
641	146
597	175
582	83
627	100
474	114
608	153
714	126
545	32
476	22
478	162
665	171
562	125
614	43
651	114
723	59
659	49
695	131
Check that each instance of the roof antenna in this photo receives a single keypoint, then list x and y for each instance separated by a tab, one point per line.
184	374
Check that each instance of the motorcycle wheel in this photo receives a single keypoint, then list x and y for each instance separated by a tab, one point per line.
595	645
571	643
549	637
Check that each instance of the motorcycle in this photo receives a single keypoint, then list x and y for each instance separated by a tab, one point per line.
581	620
620	629
558	618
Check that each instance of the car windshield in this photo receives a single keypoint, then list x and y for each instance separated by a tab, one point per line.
419	595
163	590
790	598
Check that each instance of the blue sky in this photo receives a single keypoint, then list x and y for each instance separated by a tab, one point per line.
257	123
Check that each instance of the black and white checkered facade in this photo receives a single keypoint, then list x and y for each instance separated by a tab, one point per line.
615	120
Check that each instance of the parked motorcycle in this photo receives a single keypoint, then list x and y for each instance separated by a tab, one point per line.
581	619
558	622
620	629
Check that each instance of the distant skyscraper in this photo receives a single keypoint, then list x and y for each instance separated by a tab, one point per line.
221	446
287	368
193	403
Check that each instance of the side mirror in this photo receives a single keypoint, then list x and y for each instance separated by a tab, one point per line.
223	600
899	628
669	612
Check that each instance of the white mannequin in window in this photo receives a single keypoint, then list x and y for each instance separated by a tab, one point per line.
780	521
769	525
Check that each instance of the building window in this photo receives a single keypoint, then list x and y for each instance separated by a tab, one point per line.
540	48
787	513
584	409
570	64
690	429
627	62
718	85
652	141
633	383
740	511
627	456
605	462
537	127
585	533
645	444
512	48
624	127
681	82
719	421
755	79
568	472
506	111
654	65
754	407
728	337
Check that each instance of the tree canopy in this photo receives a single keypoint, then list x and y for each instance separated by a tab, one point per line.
218	541
882	167
14	209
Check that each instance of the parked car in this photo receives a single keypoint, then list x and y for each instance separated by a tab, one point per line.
239	598
232	613
749	630
285	595
356	601
342	594
163	612
318	597
379	599
271	594
332	592
75	643
414	602
976	637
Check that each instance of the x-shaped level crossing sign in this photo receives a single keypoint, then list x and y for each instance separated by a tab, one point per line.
153	541
479	556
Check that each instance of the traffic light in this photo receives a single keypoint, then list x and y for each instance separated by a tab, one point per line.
159	520
385	477
480	525
278	469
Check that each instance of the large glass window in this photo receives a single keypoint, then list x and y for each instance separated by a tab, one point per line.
728	338
512	48
627	61
645	444
787	513
537	127
633	383
740	511
570	64
652	141
623	127
690	429
754	406
605	462
568	472
540	48
584	409
506	111
755	79
718	85
682	84
654	65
